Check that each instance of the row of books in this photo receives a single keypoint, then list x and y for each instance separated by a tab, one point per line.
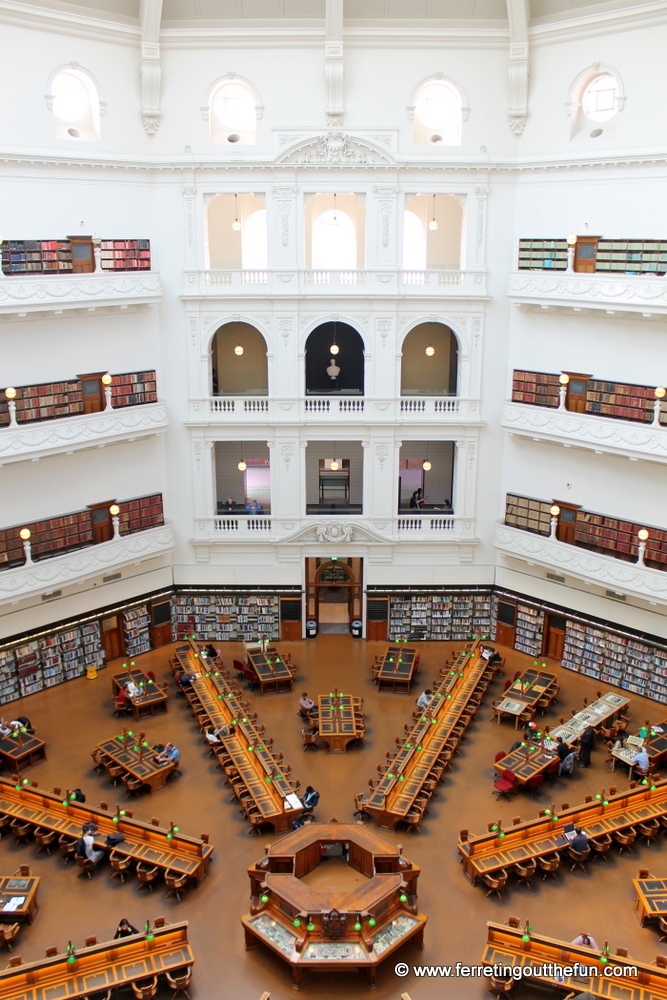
28	667
226	617
612	658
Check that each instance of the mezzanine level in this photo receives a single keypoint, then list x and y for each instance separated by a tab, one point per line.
226	410
563	290
223	283
54	294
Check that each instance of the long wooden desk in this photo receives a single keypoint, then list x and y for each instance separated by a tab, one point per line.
655	746
254	761
143	841
137	759
615	980
536	757
104	966
397	669
13	887
650	898
336	722
272	672
395	794
21	751
489	852
525	693
153	702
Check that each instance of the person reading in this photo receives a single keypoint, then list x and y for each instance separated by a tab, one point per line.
168	755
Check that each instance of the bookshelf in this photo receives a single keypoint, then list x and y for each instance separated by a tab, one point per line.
443	616
59	656
137	630
54	400
542	255
140	514
23	257
528	514
621	400
536	388
9	679
224	617
617	659
529	629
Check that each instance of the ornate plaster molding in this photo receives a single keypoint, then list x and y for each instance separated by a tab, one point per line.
45	293
595	291
592	567
335	148
50	437
586	430
83	564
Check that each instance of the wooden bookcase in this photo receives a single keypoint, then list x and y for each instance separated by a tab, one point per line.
137	630
457	614
140	514
536	388
227	616
542	255
54	400
133	388
125	255
620	400
56	256
528	514
629	256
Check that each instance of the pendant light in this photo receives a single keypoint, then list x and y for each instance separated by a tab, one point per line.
334	349
430	351
238	350
334	464
433	225
236	225
426	465
242	466
334	221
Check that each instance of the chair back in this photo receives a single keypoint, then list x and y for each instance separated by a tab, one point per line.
499	756
509	775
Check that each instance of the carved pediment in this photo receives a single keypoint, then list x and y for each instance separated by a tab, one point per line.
332	532
335	148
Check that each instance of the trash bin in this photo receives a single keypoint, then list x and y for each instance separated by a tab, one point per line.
355	628
311	629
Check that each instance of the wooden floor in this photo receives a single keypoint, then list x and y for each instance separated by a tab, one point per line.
74	717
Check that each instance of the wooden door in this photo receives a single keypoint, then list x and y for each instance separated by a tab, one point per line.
376	631
112	637
101	522
83	258
506	620
567	520
93	392
584	254
575	399
290	631
554	636
161	632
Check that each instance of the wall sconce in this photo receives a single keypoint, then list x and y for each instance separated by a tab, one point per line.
571	247
24	535
10	394
433	225
642	535
236	225
106	382
562	393
114	510
659	394
238	350
555	511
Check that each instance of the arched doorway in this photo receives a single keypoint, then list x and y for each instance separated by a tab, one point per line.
334	591
339	371
429	361
239	364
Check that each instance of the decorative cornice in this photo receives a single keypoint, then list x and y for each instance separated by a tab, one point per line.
591	567
51	437
47	293
83	564
586	430
626	293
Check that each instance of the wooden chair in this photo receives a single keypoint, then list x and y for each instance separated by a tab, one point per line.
661	961
67	847
649	829
51	952
549	863
121	708
625	839
14	962
601	845
90	941
133	785
8	933
45	839
662	924
22	831
526	872
513	922
115	773
500	987
145	989
360	801
120	864
179	981
23	871
147	875
309	740
87	866
496	882
579	858
176	883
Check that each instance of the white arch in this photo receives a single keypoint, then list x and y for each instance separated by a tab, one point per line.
580	82
231	78
461	338
439	78
347	320
48	96
216	323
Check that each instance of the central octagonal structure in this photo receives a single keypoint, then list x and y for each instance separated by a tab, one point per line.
333	929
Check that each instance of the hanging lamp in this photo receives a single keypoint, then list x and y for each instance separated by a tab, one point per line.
334	349
242	466
236	225
426	465
334	221
334	464
433	225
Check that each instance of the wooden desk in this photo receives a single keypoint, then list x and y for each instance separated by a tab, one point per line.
615	979
104	966
143	841
153	702
397	670
336	722
526	765
655	746
394	796
252	759
650	898
272	672
20	752
525	693
489	853
139	762
12	886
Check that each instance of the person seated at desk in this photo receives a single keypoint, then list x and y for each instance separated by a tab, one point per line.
213	735
580	841
133	690
425	699
168	755
89	852
306	705
562	748
124	929
641	760
186	679
9	728
229	505
253	506
310	798
211	653
587	941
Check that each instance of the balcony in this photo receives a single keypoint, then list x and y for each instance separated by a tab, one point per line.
321	409
451	284
608	572
596	292
45	293
607	435
83	564
39	439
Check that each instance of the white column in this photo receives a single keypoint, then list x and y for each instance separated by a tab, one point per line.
282	226
383	222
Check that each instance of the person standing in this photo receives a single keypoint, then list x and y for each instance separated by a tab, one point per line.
586	746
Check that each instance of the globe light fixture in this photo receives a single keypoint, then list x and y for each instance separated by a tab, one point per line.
24	534
10	393
430	351
238	350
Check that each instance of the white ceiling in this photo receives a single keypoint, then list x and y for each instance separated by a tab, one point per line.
364	12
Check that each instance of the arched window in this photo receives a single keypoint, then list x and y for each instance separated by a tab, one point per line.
73	99
433	234
334	242
233	113
254	244
236	232
340	370
595	96
438	113
429	361
414	242
239	365
599	100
